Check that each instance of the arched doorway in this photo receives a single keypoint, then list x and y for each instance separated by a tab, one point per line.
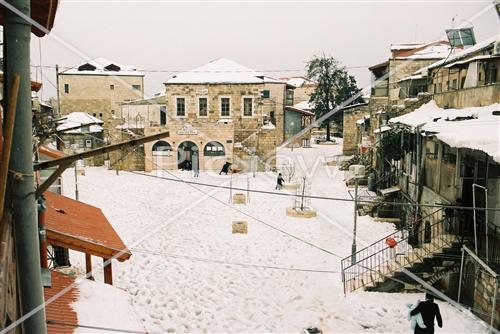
161	151
186	153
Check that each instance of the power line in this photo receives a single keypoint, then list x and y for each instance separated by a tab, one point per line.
175	179
191	258
109	329
194	71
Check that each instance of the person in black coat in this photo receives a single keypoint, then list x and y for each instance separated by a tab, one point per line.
429	310
279	182
225	168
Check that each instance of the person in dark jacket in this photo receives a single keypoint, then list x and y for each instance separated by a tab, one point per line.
225	168
429	310
279	182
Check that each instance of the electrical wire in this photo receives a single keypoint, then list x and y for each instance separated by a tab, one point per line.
192	71
248	265
108	329
175	179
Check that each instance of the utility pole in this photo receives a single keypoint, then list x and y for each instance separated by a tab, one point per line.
17	34
58	94
76	181
357	171
353	248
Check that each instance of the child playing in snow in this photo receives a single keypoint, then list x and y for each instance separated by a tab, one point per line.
280	181
415	319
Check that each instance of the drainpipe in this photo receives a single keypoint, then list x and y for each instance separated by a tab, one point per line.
17	34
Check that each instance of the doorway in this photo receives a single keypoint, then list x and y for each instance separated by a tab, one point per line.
186	153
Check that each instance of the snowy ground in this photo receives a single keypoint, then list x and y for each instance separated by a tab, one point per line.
189	273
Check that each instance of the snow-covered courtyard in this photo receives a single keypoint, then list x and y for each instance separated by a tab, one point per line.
190	273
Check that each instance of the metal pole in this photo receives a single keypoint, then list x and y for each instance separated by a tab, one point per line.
460	277
494	305
21	179
474	215
58	94
76	182
486	223
353	250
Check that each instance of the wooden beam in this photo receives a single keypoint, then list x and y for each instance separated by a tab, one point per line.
48	182
8	136
63	240
106	149
88	266
108	271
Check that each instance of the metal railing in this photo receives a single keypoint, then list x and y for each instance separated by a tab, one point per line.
379	259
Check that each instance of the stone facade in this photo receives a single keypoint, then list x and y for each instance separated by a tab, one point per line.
351	128
100	94
239	134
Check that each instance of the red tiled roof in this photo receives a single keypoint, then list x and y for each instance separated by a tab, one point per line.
43	12
60	310
82	227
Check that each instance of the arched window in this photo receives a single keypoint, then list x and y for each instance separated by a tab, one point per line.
214	148
162	148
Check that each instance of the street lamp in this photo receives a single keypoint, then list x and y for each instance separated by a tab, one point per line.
357	172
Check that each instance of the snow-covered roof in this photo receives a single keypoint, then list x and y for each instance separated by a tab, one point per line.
469	60
412	77
432	51
305	105
298	81
103	305
79	118
474	128
220	71
405	46
464	53
103	66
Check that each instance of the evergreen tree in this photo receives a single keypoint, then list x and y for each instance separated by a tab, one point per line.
335	86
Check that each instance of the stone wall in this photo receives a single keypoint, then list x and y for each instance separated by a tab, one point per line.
400	69
469	97
93	94
200	133
351	136
483	297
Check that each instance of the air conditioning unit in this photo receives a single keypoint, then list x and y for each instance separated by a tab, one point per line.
357	171
496	48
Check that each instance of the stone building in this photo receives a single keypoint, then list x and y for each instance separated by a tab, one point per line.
98	87
301	91
81	132
219	112
389	97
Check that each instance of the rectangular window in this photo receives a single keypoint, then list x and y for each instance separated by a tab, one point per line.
163	115
112	87
247	106
136	87
454	84
225	109
181	106
66	88
202	106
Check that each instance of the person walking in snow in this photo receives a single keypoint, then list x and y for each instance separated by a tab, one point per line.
279	182
225	168
429	310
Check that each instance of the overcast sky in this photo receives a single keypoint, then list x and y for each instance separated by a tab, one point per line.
263	35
